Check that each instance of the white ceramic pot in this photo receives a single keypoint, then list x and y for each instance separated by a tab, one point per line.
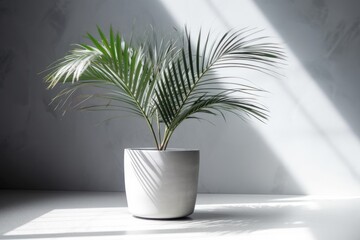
161	184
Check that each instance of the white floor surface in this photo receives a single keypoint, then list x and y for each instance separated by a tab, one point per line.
103	215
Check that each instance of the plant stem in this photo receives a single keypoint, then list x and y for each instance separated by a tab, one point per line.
166	139
153	133
158	125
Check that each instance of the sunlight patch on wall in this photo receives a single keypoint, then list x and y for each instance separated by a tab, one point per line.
305	130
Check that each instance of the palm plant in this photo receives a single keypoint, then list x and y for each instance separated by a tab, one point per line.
167	82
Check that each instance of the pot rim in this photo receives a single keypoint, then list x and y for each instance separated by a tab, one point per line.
167	150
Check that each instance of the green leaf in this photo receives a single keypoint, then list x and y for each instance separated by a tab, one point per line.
167	83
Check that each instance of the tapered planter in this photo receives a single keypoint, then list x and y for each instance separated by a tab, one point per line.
161	184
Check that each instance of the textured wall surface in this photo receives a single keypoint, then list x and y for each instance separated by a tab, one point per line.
40	149
310	145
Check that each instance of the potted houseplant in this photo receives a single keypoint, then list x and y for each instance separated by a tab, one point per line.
165	82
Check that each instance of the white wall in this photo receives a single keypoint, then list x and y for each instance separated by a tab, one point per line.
310	144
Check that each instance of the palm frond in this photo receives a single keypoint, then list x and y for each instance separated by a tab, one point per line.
193	83
168	81
113	63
